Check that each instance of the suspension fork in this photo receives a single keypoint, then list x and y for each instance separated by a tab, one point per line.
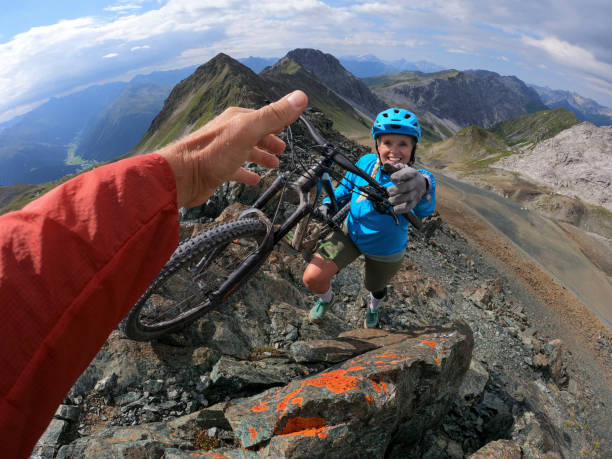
279	183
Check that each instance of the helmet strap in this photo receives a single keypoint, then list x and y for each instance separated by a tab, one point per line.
412	156
377	153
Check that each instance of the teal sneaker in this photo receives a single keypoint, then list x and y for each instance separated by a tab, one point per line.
371	319
318	310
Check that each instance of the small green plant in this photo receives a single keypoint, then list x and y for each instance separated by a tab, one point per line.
201	440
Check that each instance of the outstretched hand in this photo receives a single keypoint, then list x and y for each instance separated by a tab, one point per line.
216	152
410	186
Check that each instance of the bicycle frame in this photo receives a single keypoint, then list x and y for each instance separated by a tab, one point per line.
317	174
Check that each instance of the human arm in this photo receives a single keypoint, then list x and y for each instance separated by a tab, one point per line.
73	262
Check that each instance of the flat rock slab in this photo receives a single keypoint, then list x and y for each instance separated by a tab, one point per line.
329	350
235	375
361	403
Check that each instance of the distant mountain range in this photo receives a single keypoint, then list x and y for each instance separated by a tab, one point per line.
369	65
584	109
104	122
363	66
451	100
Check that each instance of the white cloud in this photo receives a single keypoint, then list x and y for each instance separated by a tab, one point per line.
377	8
570	55
458	51
54	59
122	8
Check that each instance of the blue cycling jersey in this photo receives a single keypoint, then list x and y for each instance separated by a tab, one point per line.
372	232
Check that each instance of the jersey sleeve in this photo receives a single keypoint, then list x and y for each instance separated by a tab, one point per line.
72	264
426	206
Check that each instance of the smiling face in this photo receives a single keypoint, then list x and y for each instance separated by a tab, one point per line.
395	148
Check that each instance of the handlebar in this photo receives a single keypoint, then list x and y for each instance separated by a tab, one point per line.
334	154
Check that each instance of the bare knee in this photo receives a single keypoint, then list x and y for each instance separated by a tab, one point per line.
318	274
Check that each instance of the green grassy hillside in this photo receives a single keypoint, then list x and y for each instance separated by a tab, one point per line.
220	83
471	147
407	76
527	130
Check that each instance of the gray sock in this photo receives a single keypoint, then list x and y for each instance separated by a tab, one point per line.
327	296
375	302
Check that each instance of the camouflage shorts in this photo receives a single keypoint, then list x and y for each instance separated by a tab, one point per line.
339	248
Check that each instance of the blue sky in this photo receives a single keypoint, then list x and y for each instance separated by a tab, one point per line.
50	49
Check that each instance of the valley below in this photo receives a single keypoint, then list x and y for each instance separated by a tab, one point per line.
570	261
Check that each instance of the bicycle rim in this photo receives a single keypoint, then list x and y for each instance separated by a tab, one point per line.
189	284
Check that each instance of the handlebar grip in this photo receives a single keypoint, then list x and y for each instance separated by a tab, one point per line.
313	131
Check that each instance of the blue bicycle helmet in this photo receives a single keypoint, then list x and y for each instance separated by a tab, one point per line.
397	121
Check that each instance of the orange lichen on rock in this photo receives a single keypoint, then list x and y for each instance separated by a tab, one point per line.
429	343
378	386
437	361
336	381
304	426
369	399
253	433
356	368
262	406
397	358
282	406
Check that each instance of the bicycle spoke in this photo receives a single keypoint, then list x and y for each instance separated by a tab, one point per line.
191	286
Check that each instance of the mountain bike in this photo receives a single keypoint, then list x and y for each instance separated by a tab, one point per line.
206	269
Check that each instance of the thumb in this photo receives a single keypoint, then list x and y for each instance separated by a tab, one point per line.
274	117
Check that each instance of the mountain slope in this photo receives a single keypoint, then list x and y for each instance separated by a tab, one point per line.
68	133
287	75
220	83
35	149
452	100
472	146
527	130
331	73
120	127
576	162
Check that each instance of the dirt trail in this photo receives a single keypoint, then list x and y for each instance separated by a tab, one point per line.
559	312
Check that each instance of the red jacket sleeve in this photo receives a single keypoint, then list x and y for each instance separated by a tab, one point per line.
72	264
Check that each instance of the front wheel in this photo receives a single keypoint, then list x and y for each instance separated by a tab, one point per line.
188	285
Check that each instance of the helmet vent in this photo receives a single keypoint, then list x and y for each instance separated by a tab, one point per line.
395	110
386	115
396	126
406	116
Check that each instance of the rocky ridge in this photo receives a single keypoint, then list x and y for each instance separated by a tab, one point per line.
257	363
197	392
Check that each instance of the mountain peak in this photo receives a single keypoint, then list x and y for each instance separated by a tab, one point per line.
219	83
330	71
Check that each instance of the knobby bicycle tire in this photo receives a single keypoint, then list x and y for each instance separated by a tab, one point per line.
176	298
